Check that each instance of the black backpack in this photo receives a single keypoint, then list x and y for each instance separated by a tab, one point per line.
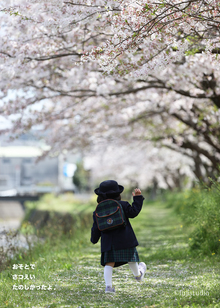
109	215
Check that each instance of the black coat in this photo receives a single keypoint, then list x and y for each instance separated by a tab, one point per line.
121	238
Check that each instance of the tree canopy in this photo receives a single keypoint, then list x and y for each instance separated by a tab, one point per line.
120	72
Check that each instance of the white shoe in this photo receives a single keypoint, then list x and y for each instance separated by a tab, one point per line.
142	268
109	289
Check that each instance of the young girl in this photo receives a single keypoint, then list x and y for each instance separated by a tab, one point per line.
118	246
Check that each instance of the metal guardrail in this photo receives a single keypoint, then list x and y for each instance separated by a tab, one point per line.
29	190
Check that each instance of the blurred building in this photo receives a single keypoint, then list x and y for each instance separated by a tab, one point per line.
21	174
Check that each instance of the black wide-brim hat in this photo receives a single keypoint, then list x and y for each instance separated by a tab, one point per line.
109	187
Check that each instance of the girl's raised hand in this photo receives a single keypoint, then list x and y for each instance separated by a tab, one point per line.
137	192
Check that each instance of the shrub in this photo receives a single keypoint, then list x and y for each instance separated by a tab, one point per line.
200	208
206	235
54	216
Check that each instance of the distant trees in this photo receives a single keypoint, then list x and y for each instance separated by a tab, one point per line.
81	178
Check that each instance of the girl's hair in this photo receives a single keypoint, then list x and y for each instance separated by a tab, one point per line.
102	198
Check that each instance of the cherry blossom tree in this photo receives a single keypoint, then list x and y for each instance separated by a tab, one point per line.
147	36
118	71
140	165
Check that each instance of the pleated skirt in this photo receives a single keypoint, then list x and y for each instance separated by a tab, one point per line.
120	256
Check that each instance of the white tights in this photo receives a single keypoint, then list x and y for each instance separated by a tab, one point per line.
108	272
134	268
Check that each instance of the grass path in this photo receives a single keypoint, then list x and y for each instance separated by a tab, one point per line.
72	268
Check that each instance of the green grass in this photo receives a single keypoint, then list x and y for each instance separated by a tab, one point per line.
71	266
62	203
